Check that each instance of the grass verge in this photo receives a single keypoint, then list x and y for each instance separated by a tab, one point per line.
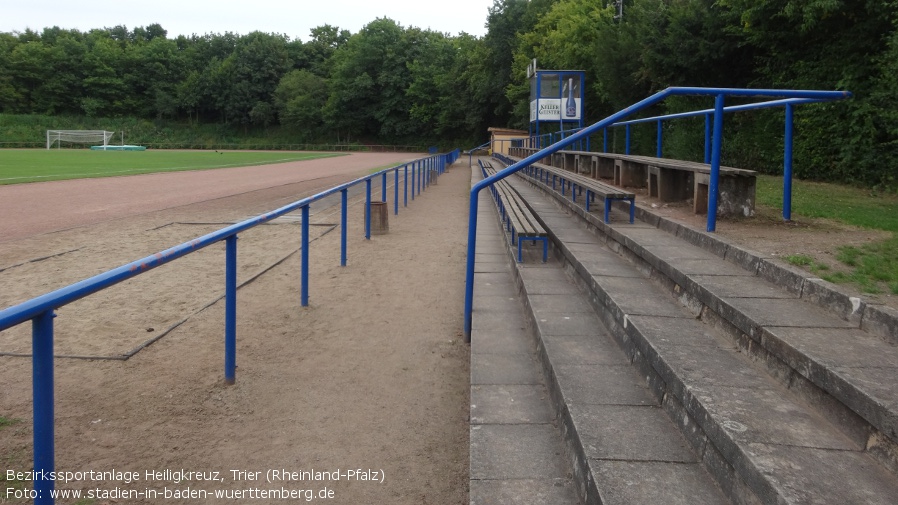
873	268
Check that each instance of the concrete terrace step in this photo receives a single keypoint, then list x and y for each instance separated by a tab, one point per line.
782	401
516	447
622	447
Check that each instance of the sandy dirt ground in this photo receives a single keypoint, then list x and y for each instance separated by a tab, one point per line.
373	375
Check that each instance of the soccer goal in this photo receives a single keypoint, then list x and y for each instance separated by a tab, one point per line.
78	137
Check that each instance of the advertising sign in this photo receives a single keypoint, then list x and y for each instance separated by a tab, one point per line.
556	96
554	109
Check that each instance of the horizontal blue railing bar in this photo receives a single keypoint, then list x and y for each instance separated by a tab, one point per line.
704	112
733	108
583	134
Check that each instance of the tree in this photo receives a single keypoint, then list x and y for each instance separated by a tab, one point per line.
506	21
256	66
828	44
369	81
433	106
573	34
29	69
10	96
152	70
326	39
104	89
299	99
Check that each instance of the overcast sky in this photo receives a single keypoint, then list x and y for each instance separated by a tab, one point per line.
292	18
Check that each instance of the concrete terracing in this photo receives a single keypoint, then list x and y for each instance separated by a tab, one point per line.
683	369
516	448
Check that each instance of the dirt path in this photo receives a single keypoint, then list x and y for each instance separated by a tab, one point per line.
373	375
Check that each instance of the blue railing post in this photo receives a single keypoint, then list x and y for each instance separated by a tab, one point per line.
383	187
230	309
787	165
658	150
420	164
43	393
344	197
717	143
604	140
708	138
396	192
304	290
405	186
627	145
469	268
414	169
368	209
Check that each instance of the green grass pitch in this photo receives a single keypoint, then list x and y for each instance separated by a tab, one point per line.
34	165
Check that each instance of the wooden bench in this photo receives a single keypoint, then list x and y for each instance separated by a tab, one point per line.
668	180
678	180
577	183
516	216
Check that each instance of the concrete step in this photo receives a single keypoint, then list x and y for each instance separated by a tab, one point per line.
835	351
620	444
516	447
713	355
623	447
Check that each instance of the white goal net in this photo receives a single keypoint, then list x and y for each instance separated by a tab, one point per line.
78	136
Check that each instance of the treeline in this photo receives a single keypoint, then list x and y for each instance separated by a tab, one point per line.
382	83
791	44
394	84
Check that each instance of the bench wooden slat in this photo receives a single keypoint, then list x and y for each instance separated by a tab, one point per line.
595	187
523	224
692	166
598	187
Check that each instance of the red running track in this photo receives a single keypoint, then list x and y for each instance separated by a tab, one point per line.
42	207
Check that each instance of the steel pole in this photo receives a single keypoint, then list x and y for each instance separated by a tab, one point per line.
42	386
787	165
230	309
368	209
344	197
304	289
627	147
715	163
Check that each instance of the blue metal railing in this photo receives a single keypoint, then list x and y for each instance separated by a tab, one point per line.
787	103
40	310
471	151
719	95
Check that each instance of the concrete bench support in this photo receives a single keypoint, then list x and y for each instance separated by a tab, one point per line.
670	185
629	174
666	179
